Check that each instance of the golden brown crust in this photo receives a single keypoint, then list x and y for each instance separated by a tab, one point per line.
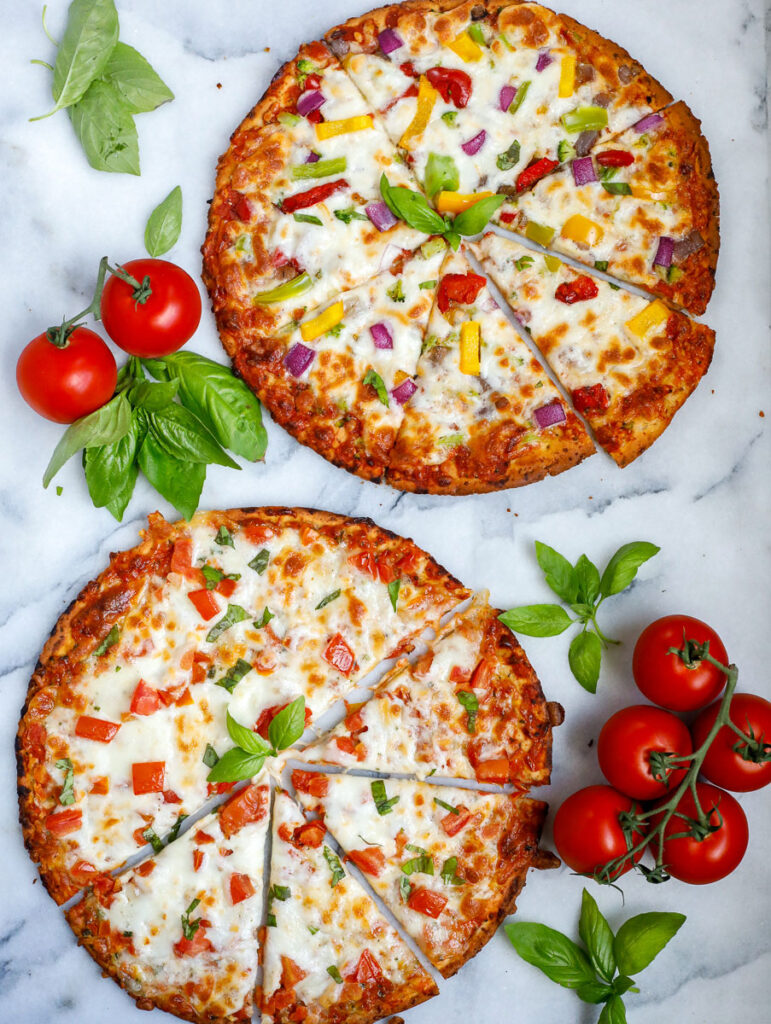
370	1004
360	33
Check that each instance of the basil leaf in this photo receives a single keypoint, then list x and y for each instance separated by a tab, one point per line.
349	214
233	677
153	839
537	619
111	471
260	561
67	794
335	974
584	656
560	959
328	599
212	576
597	936
617	188
210	756
447	807
105	127
470	703
334	866
559	573
224	538
180	483
270	920
473	220
174	831
510	158
376	381
411	207
236	765
288	725
164	224
88	40
422	864
141	87
103	426
642	938
613	1012
109	641
219	399
622	984
393	592
152	397
623	566
264	619
441	175
280	893
449	872
189	928
588	577
382	804
594	992
183	436
405	888
307	218
250	742
235	613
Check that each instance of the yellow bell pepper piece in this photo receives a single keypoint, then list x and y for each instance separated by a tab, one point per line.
653	316
469	348
552	263
427	97
466	48
567	76
323	322
457	202
328	129
580	229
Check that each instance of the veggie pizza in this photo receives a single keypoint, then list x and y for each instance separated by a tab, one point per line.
333	261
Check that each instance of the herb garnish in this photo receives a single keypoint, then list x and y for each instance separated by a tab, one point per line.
248	756
67	794
328	599
382	804
470	703
233	615
109	641
334	866
189	928
234	675
260	561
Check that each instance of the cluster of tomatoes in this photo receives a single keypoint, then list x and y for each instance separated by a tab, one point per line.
644	753
67	373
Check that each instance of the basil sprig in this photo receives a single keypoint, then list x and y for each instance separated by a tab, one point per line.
598	970
248	755
414	210
583	589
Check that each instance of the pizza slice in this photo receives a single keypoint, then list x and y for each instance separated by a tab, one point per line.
239	612
485	414
644	206
180	931
338	381
627	363
490	95
448	863
471	707
329	954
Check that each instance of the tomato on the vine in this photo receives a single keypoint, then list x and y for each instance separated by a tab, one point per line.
700	861
724	764
153	324
664	677
67	382
626	743
587	831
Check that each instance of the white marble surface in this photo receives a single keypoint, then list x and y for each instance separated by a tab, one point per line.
702	492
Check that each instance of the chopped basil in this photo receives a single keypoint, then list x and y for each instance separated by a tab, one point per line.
449	876
175	828
189	928
601	265
153	839
234	614
233	677
307	218
328	599
367	842
469	702
375	380
214	576
349	214
109	641
405	888
393	592
67	795
617	188
312	930
396	291
280	892
447	807
224	538
450	117
210	756
523	262
423	864
264	619
510	158
260	561
426	285
334	866
382	804
271	920
335	974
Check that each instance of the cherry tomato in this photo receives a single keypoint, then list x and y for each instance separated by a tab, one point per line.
66	383
164	321
664	678
714	857
724	764
625	745
587	832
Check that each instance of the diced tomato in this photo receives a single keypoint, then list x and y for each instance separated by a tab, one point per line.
507	217
217	788
535	172
592	398
482	675
452	824
83	871
312	783
408	69
146	699
315	117
579	290
615	158
299	1013
170	797
453	85
198	944
370	860
146	869
205	602
302	200
313	81
310	834
339	655
462	288
182	560
241	888
376	567
184	698
35	737
250	804
354	722
291	973
200	667
280	1000
243	209
100	786
197	859
348	745
427	902
494	770
410	91
89	728
366	970
148	777
401	841
268	714
459	676
139	835
61	823
203	837
285	832
257	533
226	587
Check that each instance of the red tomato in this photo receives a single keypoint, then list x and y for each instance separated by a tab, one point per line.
714	857
205	602
724	763
198	944
241	888
100	729
250	804
61	823
339	655
146	700
312	783
664	678
366	970
427	902
160	324
371	860
64	384
310	834
495	770
587	832
626	743
148	776
197	859
452	824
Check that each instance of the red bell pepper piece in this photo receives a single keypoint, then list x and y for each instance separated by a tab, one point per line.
453	85
579	290
592	398
301	200
615	158
535	172
458	288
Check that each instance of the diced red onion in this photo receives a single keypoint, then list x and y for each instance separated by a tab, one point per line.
389	40
583	170
389	254
648	122
506	96
488	304
404	391
474	145
544	60
381	336
380	215
548	415
310	101
298	359
312	158
663	257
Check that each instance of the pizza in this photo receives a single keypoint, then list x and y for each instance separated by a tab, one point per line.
426	119
627	363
